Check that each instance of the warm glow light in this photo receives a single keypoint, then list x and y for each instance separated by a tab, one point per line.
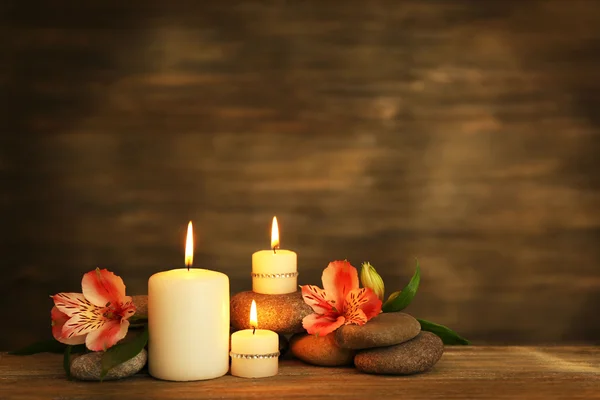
253	316
189	246
274	234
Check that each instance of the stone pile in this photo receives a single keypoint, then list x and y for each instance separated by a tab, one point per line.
391	343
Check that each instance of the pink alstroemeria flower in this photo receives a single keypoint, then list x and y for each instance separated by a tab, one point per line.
341	302
96	317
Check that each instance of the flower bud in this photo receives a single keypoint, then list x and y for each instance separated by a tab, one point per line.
371	279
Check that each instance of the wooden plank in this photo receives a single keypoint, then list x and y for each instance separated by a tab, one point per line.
462	373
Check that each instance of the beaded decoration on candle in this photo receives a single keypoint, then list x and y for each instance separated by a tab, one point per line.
284	275
254	356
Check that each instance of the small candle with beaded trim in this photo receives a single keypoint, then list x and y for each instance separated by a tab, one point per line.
254	352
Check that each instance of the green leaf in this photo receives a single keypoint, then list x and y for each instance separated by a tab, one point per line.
123	351
447	335
44	346
79	348
67	361
402	300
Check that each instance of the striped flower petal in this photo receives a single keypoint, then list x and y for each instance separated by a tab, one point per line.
361	305
71	303
316	298
85	321
58	321
107	335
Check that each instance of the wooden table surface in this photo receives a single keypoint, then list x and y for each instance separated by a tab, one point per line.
462	373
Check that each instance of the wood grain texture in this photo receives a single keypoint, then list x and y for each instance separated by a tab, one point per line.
462	373
465	133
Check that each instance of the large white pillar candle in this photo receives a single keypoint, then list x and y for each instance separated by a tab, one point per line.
274	271
188	322
254	352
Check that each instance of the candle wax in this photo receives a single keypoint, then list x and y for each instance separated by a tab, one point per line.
188	322
272	263
259	342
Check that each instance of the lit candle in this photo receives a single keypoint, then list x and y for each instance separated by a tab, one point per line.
274	271
188	322
254	352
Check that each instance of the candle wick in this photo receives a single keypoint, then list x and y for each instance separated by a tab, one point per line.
253	330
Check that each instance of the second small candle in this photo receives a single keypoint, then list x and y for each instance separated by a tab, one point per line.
274	271
254	352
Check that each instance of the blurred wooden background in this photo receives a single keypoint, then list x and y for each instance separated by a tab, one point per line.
465	133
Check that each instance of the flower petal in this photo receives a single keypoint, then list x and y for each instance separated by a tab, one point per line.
70	303
322	325
127	308
316	298
107	336
361	305
372	307
102	287
85	321
339	278
58	321
356	317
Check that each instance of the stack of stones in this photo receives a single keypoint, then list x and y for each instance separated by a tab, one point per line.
390	344
280	313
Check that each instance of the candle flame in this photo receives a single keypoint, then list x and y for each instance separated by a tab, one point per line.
253	315
274	234
189	246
